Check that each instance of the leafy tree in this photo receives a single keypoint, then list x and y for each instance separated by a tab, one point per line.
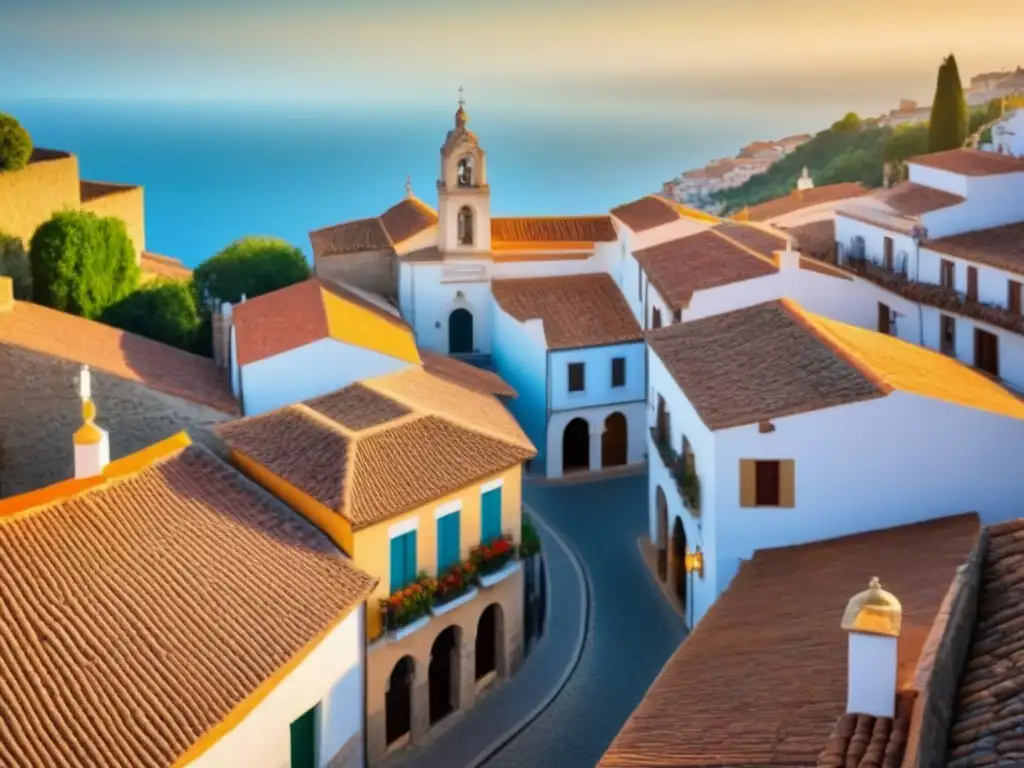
14	263
82	263
948	125
15	144
251	266
850	122
164	310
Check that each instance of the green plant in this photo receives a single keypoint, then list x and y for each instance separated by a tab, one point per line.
249	267
15	144
494	555
948	125
849	122
14	263
529	541
82	263
410	603
454	582
163	310
690	486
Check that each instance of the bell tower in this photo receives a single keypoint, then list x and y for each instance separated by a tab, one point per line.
463	197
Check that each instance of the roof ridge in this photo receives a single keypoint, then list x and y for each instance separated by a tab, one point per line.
744	248
809	322
320	418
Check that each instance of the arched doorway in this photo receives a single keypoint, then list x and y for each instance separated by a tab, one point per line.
443	674
661	509
398	700
614	442
679	562
460	332
576	446
488	640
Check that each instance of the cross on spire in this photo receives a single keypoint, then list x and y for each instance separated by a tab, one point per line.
462	101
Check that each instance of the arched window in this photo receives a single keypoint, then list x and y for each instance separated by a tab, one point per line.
465	226
465	171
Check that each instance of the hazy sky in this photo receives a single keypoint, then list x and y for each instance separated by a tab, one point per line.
418	51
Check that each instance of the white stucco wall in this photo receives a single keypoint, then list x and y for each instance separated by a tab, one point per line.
330	677
597	376
936	178
1011	345
636	430
519	355
991	202
309	371
553	267
903	245
428	296
993	283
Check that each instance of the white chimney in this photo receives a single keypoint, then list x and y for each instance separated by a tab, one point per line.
873	619
789	258
92	444
805	181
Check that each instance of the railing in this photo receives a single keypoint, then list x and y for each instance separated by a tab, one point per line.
686	479
858	262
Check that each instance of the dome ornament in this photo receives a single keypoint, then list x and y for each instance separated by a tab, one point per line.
874	611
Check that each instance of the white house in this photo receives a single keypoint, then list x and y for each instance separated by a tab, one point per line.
574	352
164	610
1008	134
776	426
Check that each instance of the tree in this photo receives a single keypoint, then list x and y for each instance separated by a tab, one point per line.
850	122
163	310
14	264
82	263
15	144
948	125
251	266
906	142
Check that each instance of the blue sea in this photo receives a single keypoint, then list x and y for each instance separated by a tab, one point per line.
213	173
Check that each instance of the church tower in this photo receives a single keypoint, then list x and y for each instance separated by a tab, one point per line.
463	197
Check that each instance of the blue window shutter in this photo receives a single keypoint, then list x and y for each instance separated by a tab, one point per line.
448	541
410	557
397	563
490	524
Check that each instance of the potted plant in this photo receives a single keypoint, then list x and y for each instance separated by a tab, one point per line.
691	490
408	604
530	545
492	557
454	583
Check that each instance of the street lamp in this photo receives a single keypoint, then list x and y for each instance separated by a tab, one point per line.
694	562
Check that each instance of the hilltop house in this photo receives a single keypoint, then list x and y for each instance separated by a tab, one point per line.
768	419
418	480
161	609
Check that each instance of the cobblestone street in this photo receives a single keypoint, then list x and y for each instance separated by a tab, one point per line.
632	633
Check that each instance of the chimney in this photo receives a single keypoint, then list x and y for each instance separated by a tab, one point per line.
873	619
221	327
92	444
787	259
805	181
6	293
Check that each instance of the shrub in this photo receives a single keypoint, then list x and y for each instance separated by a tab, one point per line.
14	264
82	263
163	310
15	144
530	541
251	267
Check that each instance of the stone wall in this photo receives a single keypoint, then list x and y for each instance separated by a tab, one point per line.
941	665
375	271
40	411
32	195
122	201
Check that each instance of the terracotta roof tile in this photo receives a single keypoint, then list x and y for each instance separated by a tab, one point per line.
125	607
466	375
407	218
816	238
164	266
646	213
864	741
350	237
762	680
576	310
1001	247
553	229
798	199
762	238
910	199
681	267
111	350
970	162
766	240
379	455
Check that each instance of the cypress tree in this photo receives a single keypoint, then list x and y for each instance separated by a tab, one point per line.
947	128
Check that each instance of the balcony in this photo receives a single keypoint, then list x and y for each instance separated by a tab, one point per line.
686	479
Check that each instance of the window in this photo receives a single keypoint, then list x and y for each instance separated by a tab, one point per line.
1013	296
887	252
766	484
677	316
490	514
884	318
972	283
577	377
403	560
303	740
465	230
947	274
947	335
986	352
618	371
449	550
655	318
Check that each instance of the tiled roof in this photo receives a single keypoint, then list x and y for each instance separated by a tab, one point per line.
1001	247
762	679
986	722
970	162
142	608
163	266
466	375
350	237
709	259
775	359
817	238
315	309
646	213
910	199
798	199
407	219
384	446
111	350
576	310
552	229
92	190
865	741
767	240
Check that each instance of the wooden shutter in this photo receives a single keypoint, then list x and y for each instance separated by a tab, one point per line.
397	563
303	740
410	557
787	483
490	511
972	283
448	544
748	483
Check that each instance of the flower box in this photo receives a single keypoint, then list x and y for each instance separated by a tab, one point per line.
408	629
494	556
490	579
407	605
454	583
439	609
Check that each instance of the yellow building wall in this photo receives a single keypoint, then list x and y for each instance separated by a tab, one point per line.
373	546
128	205
32	195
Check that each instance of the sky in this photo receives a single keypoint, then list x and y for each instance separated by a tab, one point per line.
405	52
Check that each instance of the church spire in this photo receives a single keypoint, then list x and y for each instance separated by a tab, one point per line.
461	118
408	186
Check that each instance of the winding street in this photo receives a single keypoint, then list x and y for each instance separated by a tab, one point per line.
632	629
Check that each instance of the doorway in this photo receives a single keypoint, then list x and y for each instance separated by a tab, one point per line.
576	446
460	332
398	700
488	639
661	504
614	441
443	675
679	562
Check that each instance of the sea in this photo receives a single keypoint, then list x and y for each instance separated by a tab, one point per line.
215	172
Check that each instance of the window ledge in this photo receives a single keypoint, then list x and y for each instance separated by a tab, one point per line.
498	576
441	610
408	629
